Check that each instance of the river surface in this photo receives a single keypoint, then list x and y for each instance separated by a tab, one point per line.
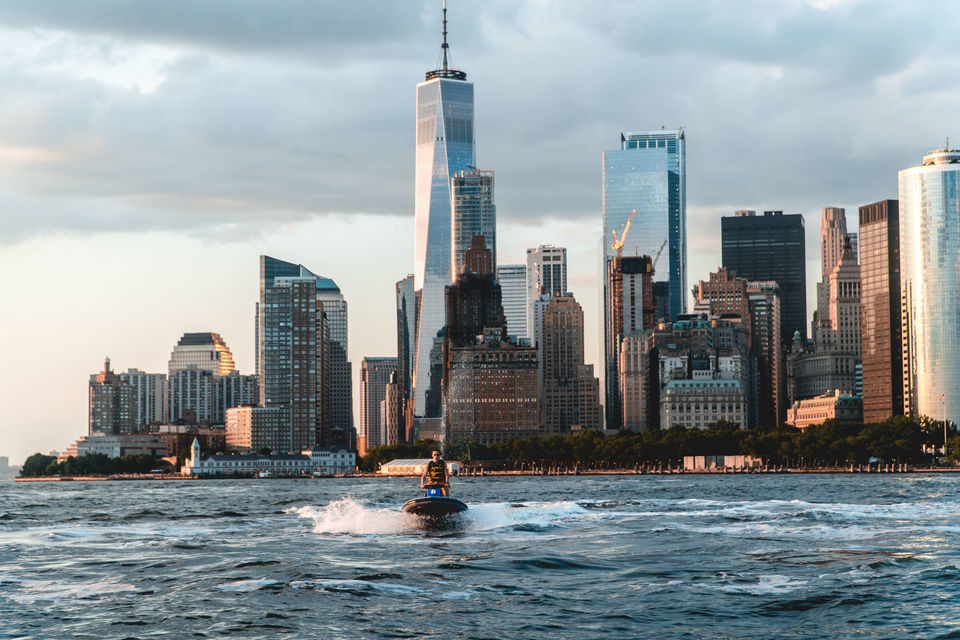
722	556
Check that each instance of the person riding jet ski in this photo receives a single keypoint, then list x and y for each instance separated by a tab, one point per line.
435	474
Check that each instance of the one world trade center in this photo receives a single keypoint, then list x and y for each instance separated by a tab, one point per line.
444	147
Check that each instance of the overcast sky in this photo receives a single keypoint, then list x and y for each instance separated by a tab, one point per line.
150	151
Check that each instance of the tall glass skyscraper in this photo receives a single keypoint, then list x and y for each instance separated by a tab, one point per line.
513	294
474	214
930	284
648	174
444	147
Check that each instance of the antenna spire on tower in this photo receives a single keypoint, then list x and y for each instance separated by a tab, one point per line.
445	45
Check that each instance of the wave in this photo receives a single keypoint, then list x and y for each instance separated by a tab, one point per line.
32	591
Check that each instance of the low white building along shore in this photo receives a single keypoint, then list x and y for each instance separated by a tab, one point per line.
415	467
312	462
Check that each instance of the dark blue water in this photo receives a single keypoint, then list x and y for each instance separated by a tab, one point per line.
830	556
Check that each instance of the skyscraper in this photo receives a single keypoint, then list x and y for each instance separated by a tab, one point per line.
406	341
513	289
629	309
880	335
112	404
302	353
375	375
546	274
206	350
150	392
770	247
571	393
444	146
648	175
930	284
474	214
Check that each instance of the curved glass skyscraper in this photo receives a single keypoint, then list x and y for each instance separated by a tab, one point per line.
444	147
930	284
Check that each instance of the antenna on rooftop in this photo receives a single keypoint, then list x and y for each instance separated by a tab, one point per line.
445	46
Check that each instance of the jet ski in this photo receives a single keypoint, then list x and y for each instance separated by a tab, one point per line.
434	506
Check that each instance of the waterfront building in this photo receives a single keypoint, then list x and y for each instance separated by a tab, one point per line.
701	349
492	392
150	395
115	445
880	335
512	279
647	174
930	284
629	308
570	392
255	428
699	403
444	146
233	390
375	375
406	343
474	214
546	274
757	304
302	355
842	406
112	406
311	462
206	351
191	395
770	248
639	382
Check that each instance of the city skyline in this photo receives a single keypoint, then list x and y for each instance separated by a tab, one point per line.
150	226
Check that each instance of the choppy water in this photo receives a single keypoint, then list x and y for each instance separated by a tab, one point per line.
652	556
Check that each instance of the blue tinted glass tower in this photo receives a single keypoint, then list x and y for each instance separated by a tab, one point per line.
930	285
648	174
444	147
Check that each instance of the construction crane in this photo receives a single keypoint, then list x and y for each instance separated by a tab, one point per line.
618	242
653	267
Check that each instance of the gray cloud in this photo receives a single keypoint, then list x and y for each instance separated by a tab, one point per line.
269	113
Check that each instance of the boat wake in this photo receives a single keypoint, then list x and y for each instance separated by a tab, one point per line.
354	517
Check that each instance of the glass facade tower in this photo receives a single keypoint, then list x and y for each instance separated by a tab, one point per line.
930	285
444	146
648	174
474	214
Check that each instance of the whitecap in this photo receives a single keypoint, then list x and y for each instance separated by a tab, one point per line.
335	585
245	586
766	585
32	591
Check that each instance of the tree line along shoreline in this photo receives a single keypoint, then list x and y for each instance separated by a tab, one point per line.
832	445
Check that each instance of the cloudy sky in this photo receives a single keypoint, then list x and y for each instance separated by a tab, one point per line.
150	151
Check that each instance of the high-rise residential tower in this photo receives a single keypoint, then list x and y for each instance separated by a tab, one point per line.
930	284
474	214
513	289
547	275
150	391
647	174
375	375
444	146
570	392
770	247
112	404
880	335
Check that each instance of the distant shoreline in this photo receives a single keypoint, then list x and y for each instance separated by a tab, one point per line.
537	474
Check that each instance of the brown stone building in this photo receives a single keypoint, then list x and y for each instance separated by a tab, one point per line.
571	393
491	392
880	331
